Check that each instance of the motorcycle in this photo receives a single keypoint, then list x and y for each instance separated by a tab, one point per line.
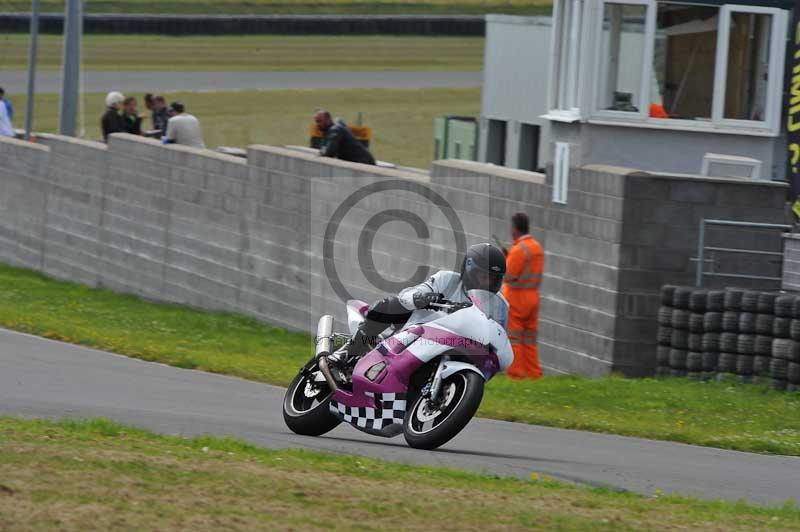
424	379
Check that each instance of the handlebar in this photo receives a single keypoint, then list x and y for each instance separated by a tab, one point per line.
449	306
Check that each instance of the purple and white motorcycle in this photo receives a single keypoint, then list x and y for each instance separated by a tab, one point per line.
425	379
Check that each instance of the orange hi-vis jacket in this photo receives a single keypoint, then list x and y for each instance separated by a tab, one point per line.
524	268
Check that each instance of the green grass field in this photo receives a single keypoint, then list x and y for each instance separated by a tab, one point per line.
97	475
258	52
294	7
402	120
727	415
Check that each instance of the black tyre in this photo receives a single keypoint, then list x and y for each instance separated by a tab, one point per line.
745	379
781	327
794	330
694	362
664	335
680	339
712	322
680	319
793	373
696	322
733	300
745	344
710	361
667	294
662	355
749	301
764	324
763	346
306	405
695	342
778	384
708	375
744	365
715	301
784	306
766	302
698	300
694	375
796	308
730	321
728	342
727	363
711	342
747	323
778	369
665	316
761	365
680	298
677	373
677	358
427	427
783	348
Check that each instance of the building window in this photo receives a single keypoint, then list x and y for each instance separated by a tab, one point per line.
686	65
621	57
528	147
496	142
567	34
684	61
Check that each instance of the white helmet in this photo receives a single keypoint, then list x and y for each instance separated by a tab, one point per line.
114	98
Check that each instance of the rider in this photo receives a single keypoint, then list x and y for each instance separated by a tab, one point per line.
483	268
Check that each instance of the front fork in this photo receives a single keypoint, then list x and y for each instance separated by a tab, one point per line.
436	385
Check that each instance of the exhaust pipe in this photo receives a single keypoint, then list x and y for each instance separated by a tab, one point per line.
324	345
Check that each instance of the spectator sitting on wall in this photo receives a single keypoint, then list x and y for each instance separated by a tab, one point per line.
6	114
339	142
159	115
112	122
132	120
183	128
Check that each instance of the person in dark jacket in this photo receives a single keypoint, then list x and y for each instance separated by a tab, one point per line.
160	115
112	122
130	116
339	142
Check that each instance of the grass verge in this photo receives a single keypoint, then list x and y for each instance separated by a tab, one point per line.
97	475
252	52
402	120
726	415
294	7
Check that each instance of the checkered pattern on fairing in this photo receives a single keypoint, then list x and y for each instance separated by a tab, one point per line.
391	409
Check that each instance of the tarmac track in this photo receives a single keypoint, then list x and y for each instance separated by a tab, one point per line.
43	378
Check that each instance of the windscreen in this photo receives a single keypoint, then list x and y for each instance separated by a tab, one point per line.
491	304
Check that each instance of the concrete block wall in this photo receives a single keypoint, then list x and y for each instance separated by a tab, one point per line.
173	223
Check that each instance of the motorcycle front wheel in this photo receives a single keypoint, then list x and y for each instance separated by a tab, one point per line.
306	405
429	425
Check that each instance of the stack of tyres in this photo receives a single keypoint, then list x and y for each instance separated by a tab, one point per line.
746	339
762	346
679	343
698	301
784	368
729	337
712	328
664	331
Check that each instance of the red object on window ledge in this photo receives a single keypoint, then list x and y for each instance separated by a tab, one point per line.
657	111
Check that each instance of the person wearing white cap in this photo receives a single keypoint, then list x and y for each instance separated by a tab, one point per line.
112	122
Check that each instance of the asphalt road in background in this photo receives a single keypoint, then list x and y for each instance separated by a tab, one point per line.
43	378
49	81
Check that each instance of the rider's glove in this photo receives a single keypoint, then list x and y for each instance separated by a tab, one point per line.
424	299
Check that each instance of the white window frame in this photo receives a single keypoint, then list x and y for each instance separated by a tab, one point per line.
774	70
647	62
565	94
769	127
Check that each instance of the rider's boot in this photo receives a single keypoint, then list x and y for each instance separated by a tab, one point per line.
359	345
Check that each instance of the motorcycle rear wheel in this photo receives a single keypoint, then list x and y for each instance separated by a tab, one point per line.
428	426
306	405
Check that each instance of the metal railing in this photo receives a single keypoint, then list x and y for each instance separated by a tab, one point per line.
702	249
